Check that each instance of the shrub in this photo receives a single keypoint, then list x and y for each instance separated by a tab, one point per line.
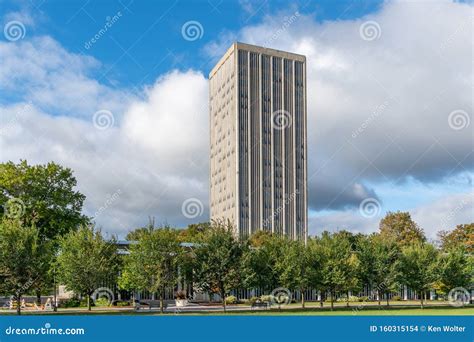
266	298
231	300
102	301
353	298
397	298
70	303
83	303
122	303
363	299
252	300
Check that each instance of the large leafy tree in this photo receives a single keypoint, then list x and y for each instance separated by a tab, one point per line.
86	260
218	260
259	261
462	235
317	254
194	232
152	264
22	258
43	195
416	267
377	257
295	267
455	269
400	227
339	264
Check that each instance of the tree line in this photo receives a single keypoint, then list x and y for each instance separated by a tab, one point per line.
45	238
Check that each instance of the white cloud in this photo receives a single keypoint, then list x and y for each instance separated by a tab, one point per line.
396	92
378	109
147	164
42	71
445	213
442	214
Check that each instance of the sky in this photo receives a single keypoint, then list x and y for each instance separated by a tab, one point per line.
118	92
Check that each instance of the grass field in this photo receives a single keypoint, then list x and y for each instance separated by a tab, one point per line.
438	311
407	310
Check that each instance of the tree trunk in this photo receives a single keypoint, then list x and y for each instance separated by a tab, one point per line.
89	307
223	300
332	300
162	310
18	305
387	294
321	301
302	298
347	299
378	296
38	297
421	299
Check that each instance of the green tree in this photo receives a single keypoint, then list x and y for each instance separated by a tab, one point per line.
86	260
22	258
316	251
259	261
45	194
295	267
194	232
400	227
218	260
462	235
339	264
152	264
377	257
416	267
42	195
137	233
455	269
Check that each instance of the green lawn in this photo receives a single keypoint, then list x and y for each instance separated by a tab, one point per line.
368	310
409	311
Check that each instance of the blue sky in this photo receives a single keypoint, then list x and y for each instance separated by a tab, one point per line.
389	106
147	42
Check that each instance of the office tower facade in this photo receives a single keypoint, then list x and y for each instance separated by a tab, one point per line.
258	169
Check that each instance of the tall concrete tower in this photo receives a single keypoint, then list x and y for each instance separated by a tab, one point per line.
258	169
